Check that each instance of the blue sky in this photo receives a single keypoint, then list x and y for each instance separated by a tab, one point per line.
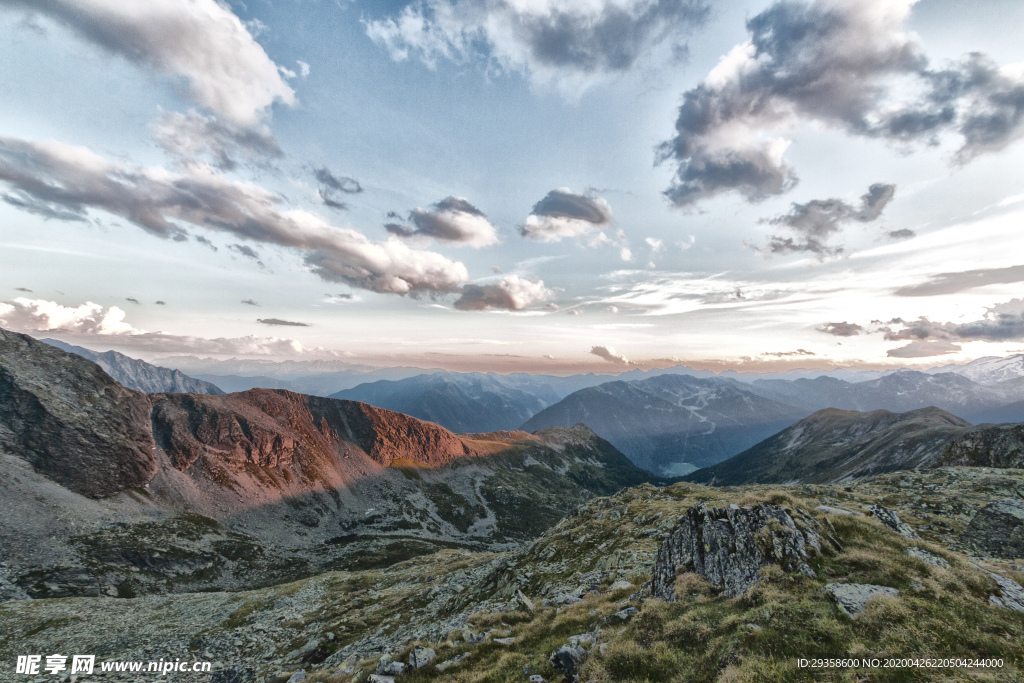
512	184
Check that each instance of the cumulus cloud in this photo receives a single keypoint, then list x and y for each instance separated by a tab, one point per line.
608	353
511	293
281	323
851	66
816	221
331	186
951	283
191	137
76	180
843	329
568	44
199	41
1003	322
564	213
453	219
91	320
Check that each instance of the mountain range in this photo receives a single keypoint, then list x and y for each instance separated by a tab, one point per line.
180	491
138	374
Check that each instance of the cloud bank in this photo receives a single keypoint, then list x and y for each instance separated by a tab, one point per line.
511	293
1002	322
66	179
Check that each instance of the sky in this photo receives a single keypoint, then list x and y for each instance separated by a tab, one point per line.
531	185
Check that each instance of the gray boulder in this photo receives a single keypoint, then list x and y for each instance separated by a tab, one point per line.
421	656
852	597
890	519
236	674
997	529
1011	593
568	659
729	546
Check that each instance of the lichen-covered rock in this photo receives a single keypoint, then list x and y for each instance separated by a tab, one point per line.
1011	593
890	519
929	558
997	529
729	546
853	597
568	659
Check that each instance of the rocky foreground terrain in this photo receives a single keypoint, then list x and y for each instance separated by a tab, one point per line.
908	564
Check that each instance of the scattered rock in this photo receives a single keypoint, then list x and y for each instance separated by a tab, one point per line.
537	678
421	656
379	678
452	662
473	638
890	519
619	585
997	529
523	601
624	614
829	510
729	546
387	666
1011	593
930	558
584	639
236	674
852	597
568	659
297	677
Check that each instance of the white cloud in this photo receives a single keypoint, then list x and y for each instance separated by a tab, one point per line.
608	353
453	219
564	213
57	177
202	41
511	293
42	315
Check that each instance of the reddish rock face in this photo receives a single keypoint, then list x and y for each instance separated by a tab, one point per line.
273	428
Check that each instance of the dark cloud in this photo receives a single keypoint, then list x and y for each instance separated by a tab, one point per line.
132	300
346	297
816	221
511	293
202	240
249	302
47	210
1001	323
158	201
951	283
331	185
843	329
283	323
161	303
565	42
851	66
564	213
247	252
453	219
902	234
22	289
189	138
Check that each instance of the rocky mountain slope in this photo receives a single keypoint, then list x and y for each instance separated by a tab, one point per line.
138	374
673	423
839	445
576	601
472	402
139	493
988	370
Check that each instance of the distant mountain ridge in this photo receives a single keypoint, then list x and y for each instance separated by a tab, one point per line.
667	420
833	446
138	374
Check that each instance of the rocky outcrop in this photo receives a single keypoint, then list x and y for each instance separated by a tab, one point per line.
852	598
927	557
729	546
70	420
891	520
997	529
987	446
